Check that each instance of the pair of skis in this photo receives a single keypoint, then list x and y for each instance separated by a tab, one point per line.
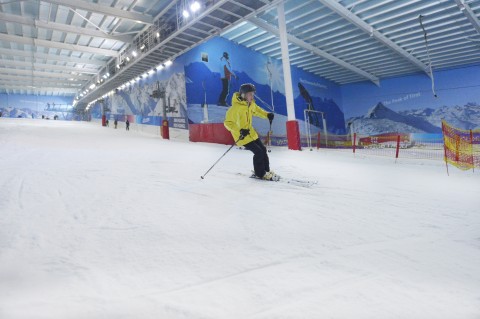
287	180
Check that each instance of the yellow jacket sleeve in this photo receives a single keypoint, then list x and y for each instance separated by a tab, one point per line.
258	111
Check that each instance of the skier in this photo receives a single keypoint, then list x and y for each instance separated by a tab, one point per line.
238	120
228	73
115	123
127	125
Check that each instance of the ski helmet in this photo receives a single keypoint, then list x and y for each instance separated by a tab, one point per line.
247	87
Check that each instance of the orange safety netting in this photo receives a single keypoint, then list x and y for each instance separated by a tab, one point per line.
461	147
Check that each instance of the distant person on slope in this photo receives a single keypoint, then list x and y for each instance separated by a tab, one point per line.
238	120
127	125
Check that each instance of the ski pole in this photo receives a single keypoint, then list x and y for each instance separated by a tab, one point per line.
270	138
203	176
264	103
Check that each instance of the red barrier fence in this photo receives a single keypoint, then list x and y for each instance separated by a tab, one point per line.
461	147
457	147
395	145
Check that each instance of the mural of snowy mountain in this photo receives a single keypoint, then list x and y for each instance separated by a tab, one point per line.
175	96
36	106
136	99
464	117
14	112
380	119
365	126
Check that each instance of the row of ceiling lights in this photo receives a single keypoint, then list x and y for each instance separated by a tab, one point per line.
195	6
92	86
128	58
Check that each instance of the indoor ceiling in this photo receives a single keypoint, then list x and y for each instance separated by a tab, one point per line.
66	47
350	41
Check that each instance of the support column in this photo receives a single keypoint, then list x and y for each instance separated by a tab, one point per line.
165	130
293	133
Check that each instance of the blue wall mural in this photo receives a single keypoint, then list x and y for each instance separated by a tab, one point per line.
36	106
207	64
407	104
199	85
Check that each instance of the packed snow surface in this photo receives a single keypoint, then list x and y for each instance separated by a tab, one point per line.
104	223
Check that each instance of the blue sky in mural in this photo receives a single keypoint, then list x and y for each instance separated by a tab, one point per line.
453	87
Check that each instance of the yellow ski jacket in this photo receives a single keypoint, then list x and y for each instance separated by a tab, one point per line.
239	116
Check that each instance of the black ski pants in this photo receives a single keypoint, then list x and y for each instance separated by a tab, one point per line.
261	163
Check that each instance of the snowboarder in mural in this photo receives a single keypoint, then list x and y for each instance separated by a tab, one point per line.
238	120
227	74
312	116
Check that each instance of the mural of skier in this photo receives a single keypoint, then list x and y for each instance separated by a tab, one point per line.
312	116
226	78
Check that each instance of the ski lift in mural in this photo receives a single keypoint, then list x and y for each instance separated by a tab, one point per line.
52	107
63	109
161	93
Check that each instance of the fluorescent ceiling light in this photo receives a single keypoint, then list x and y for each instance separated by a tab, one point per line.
195	6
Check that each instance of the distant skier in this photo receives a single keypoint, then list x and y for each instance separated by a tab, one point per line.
106	123
127	125
227	75
115	123
238	120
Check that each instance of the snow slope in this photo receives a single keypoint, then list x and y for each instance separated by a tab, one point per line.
104	223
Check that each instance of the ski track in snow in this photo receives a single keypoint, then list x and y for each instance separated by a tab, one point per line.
104	223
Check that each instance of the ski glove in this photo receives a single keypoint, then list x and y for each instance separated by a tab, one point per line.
270	116
244	132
